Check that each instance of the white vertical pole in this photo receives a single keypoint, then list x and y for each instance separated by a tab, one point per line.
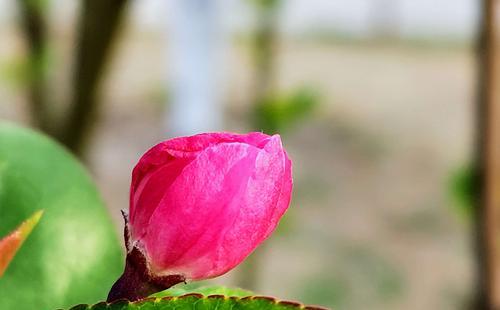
197	42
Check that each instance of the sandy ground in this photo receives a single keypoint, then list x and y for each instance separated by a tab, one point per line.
371	225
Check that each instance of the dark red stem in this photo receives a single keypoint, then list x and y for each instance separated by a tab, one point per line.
137	282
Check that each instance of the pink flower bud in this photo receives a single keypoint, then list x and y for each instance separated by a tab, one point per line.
199	205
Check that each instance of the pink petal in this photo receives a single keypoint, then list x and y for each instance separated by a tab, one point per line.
285	195
186	146
198	204
266	199
171	150
231	208
149	192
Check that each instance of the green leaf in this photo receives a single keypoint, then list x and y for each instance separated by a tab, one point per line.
73	255
204	290
201	302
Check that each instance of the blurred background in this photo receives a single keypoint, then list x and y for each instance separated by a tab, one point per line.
374	100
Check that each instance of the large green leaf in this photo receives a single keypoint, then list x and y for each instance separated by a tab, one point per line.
73	255
201	302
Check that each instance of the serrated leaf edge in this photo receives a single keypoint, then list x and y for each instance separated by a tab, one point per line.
201	296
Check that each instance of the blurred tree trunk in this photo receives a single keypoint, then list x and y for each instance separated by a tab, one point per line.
264	44
99	22
98	25
488	159
264	49
34	27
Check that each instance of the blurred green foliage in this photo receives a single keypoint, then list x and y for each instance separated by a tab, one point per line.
326	290
280	112
463	189
358	276
73	255
266	4
41	5
33	15
20	70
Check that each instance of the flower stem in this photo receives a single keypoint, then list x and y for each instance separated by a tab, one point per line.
137	282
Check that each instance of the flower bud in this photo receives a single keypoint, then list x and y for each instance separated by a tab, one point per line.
199	205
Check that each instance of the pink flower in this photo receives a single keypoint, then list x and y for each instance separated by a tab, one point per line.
199	205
